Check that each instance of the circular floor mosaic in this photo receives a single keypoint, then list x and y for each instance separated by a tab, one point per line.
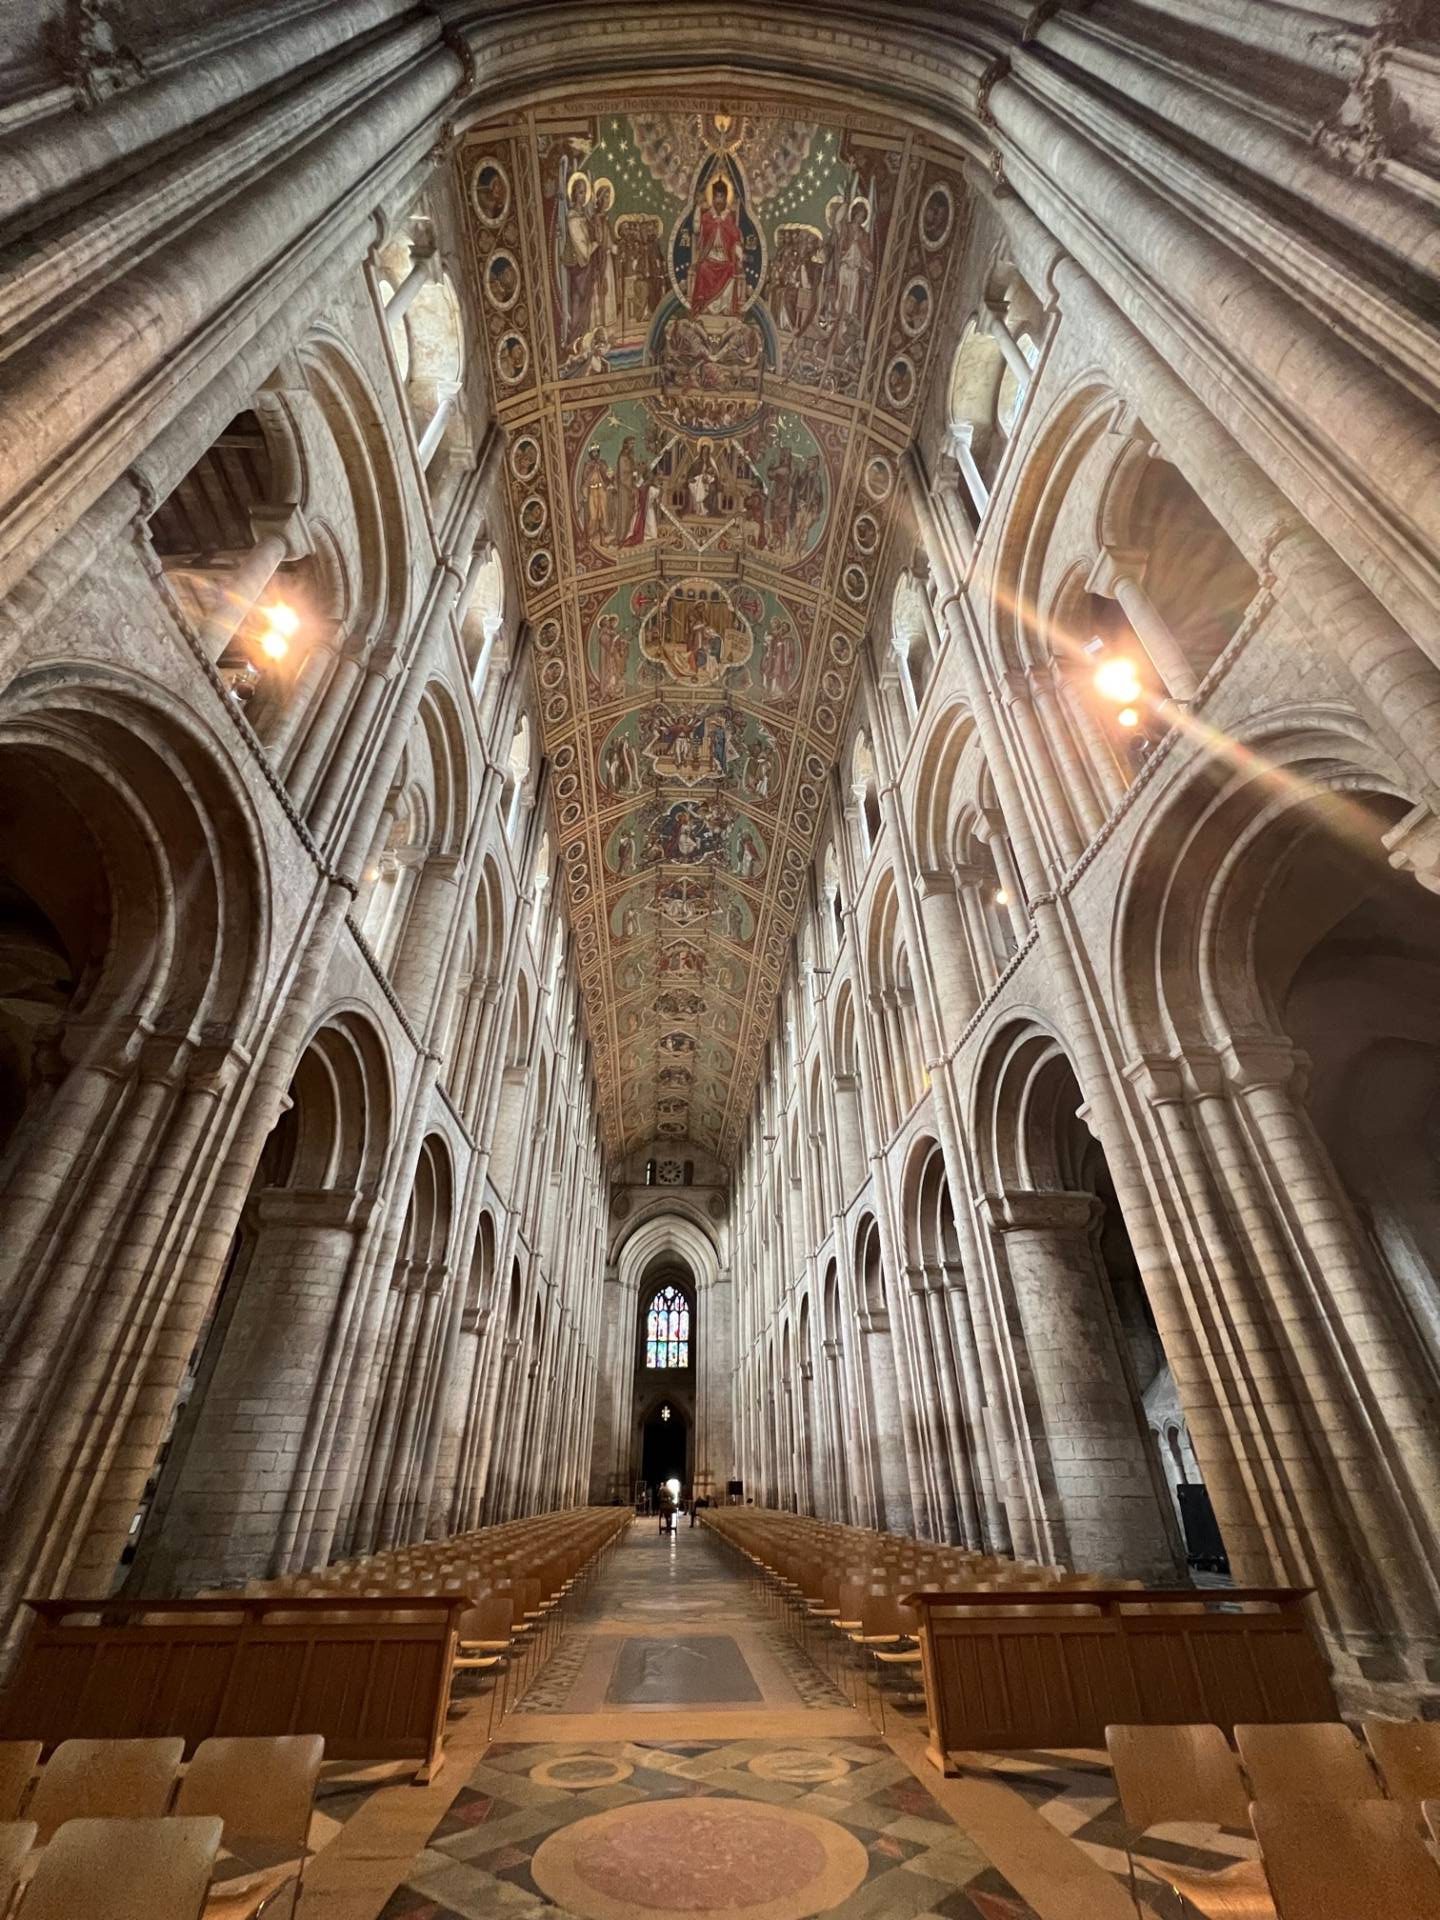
581	1770
720	1859
800	1767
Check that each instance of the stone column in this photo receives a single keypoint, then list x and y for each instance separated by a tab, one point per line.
971	883
280	535
993	320
962	449
401	1497
1343	1360
893	1452
933	1412
99	1318
1037	761
241	1467
1105	1506
433	910
947	952
1116	576
1074	770
426	259
839	1476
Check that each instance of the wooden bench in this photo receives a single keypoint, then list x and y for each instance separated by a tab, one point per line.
371	1675
1026	1669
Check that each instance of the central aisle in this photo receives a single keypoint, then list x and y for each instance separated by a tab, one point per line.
680	1757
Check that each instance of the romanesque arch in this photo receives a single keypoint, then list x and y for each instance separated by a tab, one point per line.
1082	1319
1296	1046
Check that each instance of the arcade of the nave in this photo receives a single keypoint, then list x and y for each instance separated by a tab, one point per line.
883	800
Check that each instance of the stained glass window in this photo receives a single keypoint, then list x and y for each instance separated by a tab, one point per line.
667	1330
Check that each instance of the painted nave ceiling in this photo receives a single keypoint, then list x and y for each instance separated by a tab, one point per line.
709	323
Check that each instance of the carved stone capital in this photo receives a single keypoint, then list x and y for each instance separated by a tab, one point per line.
1253	1061
1041	1212
1413	844
1112	566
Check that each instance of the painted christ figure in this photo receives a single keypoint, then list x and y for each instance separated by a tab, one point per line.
718	262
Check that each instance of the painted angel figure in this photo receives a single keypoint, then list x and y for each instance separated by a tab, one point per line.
575	243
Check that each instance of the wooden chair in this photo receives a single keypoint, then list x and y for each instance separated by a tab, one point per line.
1311	1760
125	1870
105	1779
18	1761
17	1837
1327	1860
263	1789
1407	1753
1185	1773
485	1644
888	1636
1176	1773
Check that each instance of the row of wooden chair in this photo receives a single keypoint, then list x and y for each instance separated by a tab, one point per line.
76	1823
521	1578
1341	1827
842	1590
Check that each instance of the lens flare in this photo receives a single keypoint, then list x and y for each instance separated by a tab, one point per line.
1118	680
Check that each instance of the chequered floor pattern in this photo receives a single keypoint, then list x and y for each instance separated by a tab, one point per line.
1075	1792
920	1865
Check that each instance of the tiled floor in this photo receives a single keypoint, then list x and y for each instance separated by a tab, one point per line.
1075	1793
680	1755
911	1858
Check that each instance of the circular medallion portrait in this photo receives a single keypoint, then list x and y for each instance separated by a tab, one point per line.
867	533
855	583
525	457
539	567
490	191
533	515
900	382
879	477
502	280
512	358
916	303
937	216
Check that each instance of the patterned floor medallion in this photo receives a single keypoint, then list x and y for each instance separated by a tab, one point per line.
582	1770
800	1766
712	1858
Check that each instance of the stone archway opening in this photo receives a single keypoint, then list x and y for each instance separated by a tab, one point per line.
1089	1335
667	1334
664	1451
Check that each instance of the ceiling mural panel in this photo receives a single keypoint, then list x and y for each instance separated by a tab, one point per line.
709	324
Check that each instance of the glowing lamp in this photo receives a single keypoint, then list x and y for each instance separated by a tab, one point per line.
1117	680
282	623
1002	898
1128	717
